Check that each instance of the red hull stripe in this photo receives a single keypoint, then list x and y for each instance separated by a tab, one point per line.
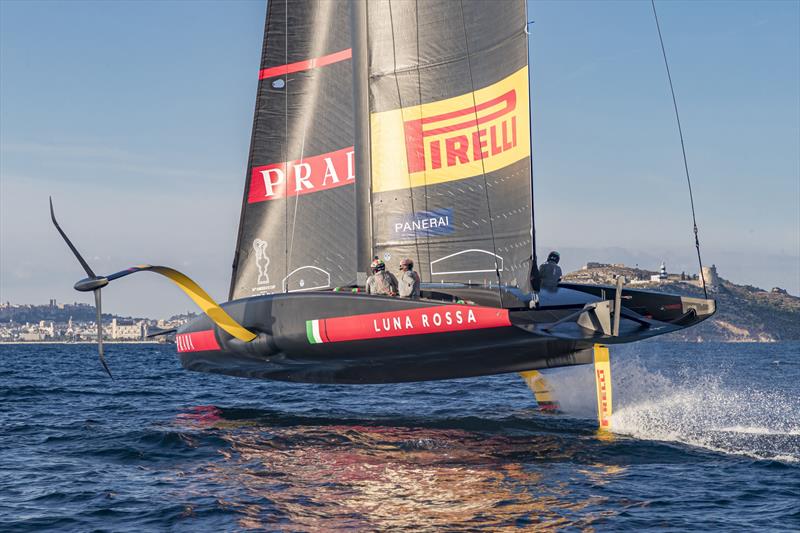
197	341
315	62
323	331
418	321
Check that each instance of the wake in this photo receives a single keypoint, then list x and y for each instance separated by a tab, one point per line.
717	413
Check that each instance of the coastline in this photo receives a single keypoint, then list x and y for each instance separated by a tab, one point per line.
81	342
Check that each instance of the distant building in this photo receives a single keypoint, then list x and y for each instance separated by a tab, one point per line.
778	290
29	336
592	264
128	330
711	277
48	330
662	275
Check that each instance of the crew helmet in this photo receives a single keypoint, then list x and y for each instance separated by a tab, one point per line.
553	257
377	265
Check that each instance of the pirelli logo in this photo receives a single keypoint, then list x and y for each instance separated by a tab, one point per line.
452	139
470	134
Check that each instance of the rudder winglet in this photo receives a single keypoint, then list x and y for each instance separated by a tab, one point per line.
542	390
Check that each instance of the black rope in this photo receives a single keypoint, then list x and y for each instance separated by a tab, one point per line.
425	170
286	143
683	149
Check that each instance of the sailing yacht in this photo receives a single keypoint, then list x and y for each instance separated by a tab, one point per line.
397	129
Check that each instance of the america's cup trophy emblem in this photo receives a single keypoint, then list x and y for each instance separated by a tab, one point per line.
262	261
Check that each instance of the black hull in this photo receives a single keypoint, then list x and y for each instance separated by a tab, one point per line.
373	339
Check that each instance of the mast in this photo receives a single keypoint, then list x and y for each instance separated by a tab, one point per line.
358	25
535	278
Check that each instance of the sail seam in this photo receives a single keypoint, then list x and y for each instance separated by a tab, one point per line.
447	61
424	172
483	163
402	115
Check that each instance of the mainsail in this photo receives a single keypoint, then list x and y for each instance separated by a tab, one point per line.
450	138
297	224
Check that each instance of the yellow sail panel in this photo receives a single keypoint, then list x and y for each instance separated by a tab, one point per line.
602	376
451	139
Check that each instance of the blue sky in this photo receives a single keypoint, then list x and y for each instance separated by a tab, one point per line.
136	117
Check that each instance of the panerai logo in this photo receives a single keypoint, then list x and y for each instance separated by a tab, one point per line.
424	223
304	176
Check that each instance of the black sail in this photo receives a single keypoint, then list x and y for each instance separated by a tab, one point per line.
297	224
450	138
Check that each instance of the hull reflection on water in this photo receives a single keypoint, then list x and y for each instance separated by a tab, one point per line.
338	476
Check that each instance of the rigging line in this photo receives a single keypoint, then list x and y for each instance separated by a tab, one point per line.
683	149
297	197
402	116
286	142
483	163
425	170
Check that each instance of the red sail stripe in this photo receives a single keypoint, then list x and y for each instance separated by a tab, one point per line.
303	176
197	341
419	321
307	64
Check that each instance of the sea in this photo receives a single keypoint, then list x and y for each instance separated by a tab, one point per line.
705	437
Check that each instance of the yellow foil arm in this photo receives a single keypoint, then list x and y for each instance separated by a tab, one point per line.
205	302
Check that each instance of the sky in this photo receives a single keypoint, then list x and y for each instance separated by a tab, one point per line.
136	118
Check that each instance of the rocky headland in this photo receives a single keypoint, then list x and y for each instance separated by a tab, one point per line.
744	313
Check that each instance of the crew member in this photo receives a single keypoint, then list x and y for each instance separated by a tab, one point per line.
381	282
409	280
550	272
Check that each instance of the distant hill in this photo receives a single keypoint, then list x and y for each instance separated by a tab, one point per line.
744	313
78	312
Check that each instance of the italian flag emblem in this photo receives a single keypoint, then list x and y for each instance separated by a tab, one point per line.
313	332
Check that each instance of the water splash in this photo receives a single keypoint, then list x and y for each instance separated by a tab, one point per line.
725	412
